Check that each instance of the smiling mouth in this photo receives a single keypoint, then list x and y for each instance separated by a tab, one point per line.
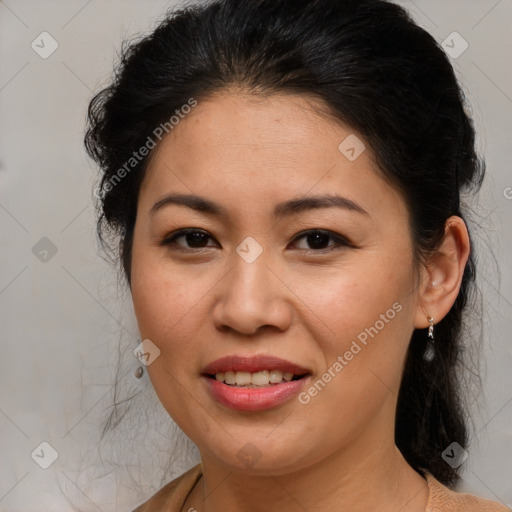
254	383
259	379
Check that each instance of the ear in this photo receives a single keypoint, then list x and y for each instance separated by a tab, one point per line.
442	274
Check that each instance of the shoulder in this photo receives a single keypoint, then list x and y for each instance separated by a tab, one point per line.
171	497
442	499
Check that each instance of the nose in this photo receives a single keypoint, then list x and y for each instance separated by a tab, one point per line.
252	296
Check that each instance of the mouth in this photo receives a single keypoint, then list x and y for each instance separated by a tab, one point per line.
254	383
263	378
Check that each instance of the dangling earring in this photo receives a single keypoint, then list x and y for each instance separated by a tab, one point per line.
430	350
139	371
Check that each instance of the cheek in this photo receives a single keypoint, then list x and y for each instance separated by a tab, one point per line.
166	306
348	300
171	304
160	294
363	315
160	297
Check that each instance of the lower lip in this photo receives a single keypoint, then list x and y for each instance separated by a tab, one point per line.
254	399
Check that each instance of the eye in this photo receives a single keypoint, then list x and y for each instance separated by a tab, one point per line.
195	238
318	239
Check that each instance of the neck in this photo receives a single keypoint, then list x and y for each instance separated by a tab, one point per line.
368	476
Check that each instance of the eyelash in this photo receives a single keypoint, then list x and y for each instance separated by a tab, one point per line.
339	241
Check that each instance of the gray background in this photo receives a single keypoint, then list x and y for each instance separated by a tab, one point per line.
62	319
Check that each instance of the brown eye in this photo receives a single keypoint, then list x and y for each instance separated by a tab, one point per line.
193	239
318	240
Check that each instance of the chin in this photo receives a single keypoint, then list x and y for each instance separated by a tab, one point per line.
258	454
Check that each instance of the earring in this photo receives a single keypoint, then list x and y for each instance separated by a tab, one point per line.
430	350
139	371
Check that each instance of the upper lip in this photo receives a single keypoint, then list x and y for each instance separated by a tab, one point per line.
253	364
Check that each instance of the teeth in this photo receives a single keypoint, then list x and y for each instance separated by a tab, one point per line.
243	378
261	378
258	378
276	376
230	378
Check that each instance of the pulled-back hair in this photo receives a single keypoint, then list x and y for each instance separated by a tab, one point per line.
376	71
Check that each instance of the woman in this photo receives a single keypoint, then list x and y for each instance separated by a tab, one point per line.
284	179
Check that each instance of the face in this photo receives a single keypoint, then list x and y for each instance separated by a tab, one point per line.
273	280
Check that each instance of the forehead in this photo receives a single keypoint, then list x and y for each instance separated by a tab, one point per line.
253	147
287	127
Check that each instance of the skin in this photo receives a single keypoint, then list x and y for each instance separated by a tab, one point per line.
299	303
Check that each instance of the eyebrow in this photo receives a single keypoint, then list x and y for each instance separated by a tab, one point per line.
284	209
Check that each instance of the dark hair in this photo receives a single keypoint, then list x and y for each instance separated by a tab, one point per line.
376	71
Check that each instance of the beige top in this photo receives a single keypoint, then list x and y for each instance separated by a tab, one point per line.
172	496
